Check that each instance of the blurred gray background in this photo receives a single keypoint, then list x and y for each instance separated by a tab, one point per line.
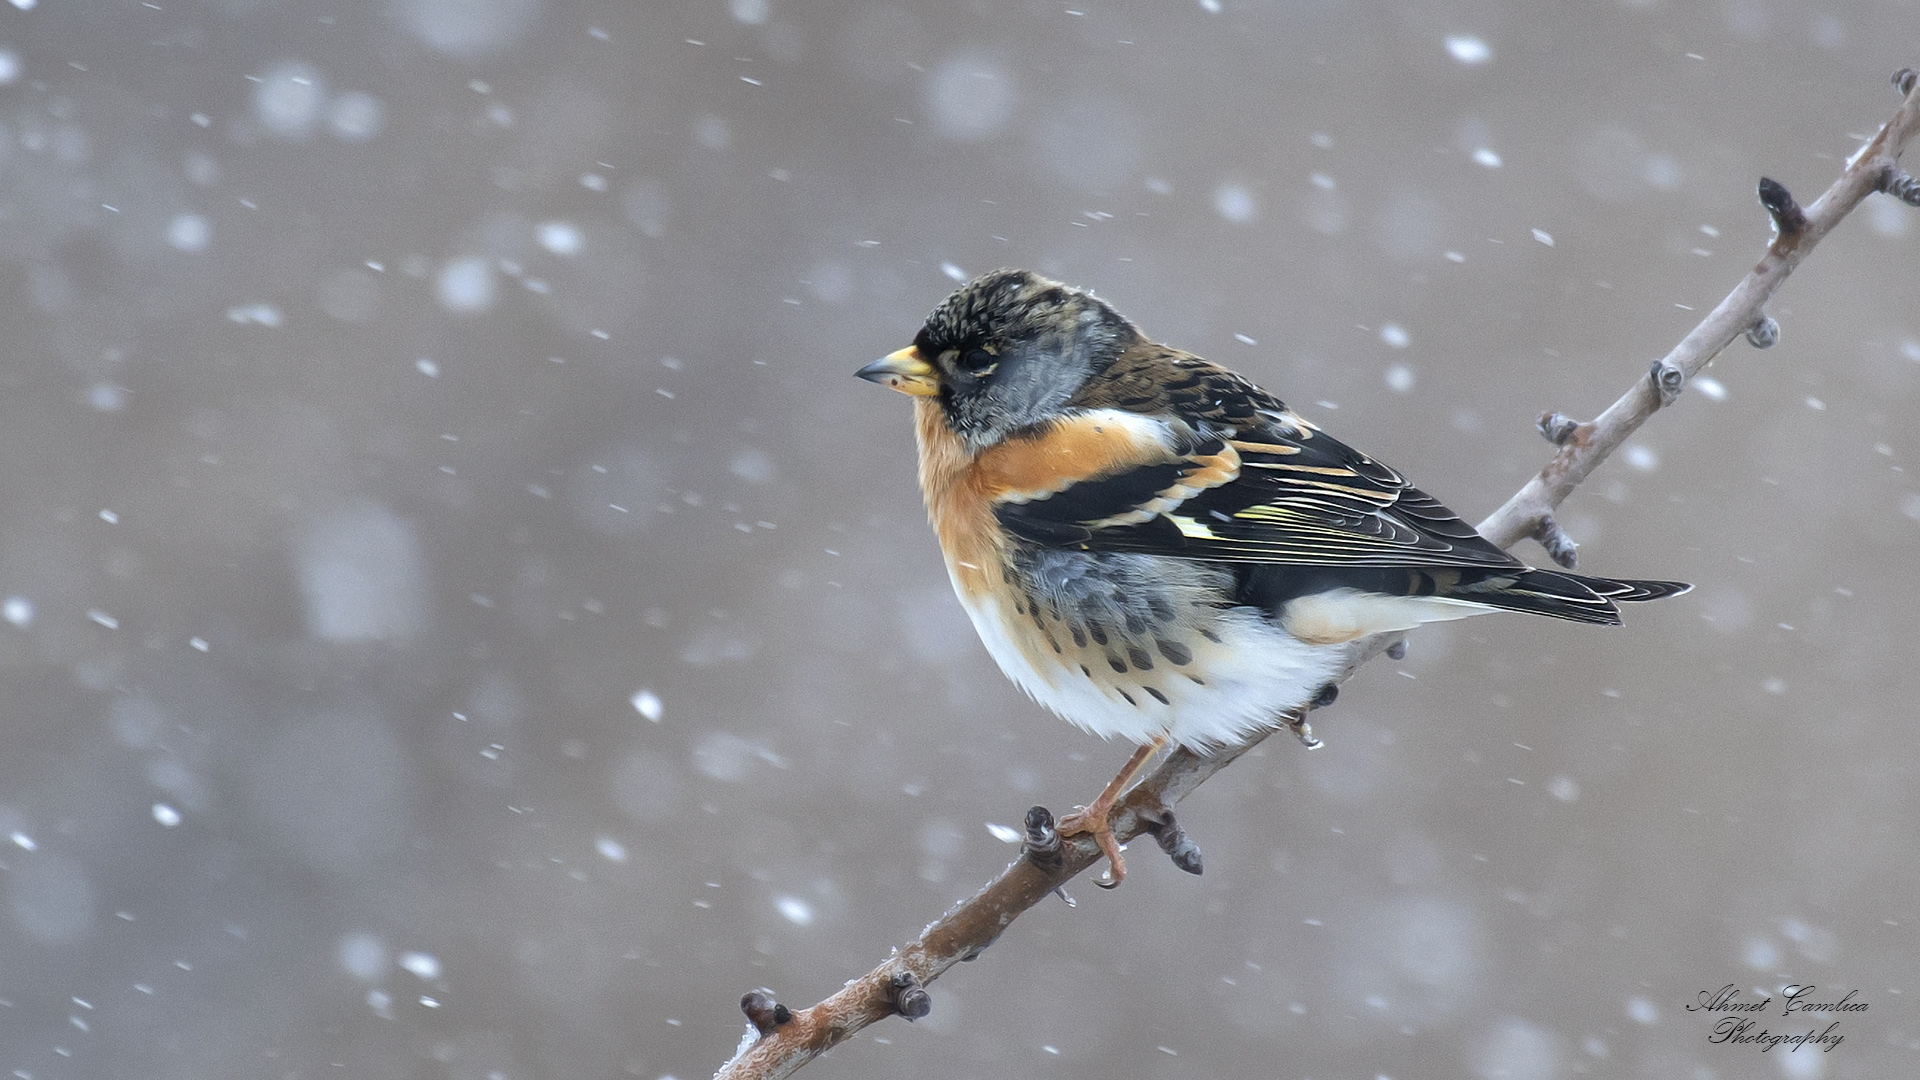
461	618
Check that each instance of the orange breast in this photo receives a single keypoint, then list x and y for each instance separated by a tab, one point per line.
962	515
961	491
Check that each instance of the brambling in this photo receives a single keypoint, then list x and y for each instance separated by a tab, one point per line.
1159	550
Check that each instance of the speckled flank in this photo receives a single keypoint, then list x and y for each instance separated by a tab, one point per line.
1115	682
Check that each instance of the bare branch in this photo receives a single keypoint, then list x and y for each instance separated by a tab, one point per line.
1743	312
782	1040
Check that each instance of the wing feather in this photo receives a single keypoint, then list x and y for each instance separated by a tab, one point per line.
1240	478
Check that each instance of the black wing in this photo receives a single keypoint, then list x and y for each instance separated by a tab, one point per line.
1280	491
1246	481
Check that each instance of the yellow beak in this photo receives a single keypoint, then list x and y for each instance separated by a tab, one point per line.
905	371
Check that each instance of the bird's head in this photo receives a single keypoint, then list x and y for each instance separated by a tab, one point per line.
1006	352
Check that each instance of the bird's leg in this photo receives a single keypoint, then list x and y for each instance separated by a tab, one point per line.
1093	819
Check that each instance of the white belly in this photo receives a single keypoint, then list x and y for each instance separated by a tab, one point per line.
1228	690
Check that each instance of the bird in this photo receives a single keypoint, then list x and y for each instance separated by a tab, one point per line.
1158	550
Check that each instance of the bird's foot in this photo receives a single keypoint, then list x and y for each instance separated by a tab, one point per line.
1297	723
1092	821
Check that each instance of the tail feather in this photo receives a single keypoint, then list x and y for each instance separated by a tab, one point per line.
1568	596
1631	590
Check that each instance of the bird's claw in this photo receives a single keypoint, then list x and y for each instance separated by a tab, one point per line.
1304	732
1116	870
1082	821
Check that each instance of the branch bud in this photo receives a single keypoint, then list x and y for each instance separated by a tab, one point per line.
1173	839
907	996
1764	333
1788	218
1560	547
763	1012
1668	380
1556	428
1043	840
1901	185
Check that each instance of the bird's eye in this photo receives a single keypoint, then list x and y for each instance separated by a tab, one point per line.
978	363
